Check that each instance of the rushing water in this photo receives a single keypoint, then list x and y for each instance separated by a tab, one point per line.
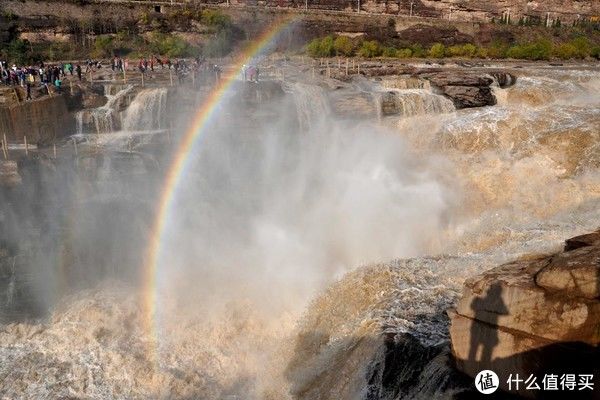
147	111
261	291
104	119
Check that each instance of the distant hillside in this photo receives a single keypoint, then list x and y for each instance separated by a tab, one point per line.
67	29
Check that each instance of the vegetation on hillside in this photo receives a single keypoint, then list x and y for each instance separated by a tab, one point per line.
152	34
579	47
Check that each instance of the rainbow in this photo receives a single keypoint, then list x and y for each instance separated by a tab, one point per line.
178	166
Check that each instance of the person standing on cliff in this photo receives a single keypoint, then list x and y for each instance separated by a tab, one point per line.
58	84
28	91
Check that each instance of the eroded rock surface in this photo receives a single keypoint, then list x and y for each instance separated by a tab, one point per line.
469	89
533	316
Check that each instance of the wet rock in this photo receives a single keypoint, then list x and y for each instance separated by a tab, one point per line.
9	173
591	239
470	96
352	104
532	316
459	79
469	89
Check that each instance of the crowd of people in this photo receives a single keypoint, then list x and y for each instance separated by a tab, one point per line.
50	77
41	74
198	67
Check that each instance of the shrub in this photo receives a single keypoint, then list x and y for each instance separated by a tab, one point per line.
482	52
9	16
565	51
103	46
582	45
390	52
369	49
437	50
539	50
343	45
417	50
321	47
469	50
17	51
497	49
170	45
215	18
404	53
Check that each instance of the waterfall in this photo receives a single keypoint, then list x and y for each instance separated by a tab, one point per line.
312	105
412	102
147	111
104	119
79	122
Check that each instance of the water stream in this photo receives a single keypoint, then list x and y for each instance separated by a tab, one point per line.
291	247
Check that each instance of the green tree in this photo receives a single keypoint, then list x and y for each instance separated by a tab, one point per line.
404	53
417	50
343	45
170	45
437	50
390	52
565	51
583	46
369	49
321	47
103	46
538	50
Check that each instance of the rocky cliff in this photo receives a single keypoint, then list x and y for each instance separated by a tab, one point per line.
420	21
535	316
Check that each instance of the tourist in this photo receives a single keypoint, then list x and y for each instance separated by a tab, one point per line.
78	71
28	90
58	84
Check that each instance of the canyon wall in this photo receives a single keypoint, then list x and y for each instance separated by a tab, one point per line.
60	21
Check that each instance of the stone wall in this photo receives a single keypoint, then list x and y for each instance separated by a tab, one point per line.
41	120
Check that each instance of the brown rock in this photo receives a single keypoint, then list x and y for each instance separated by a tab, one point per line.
470	96
575	272
591	239
532	316
459	79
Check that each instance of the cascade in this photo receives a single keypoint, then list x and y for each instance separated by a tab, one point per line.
148	111
104	119
312	105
